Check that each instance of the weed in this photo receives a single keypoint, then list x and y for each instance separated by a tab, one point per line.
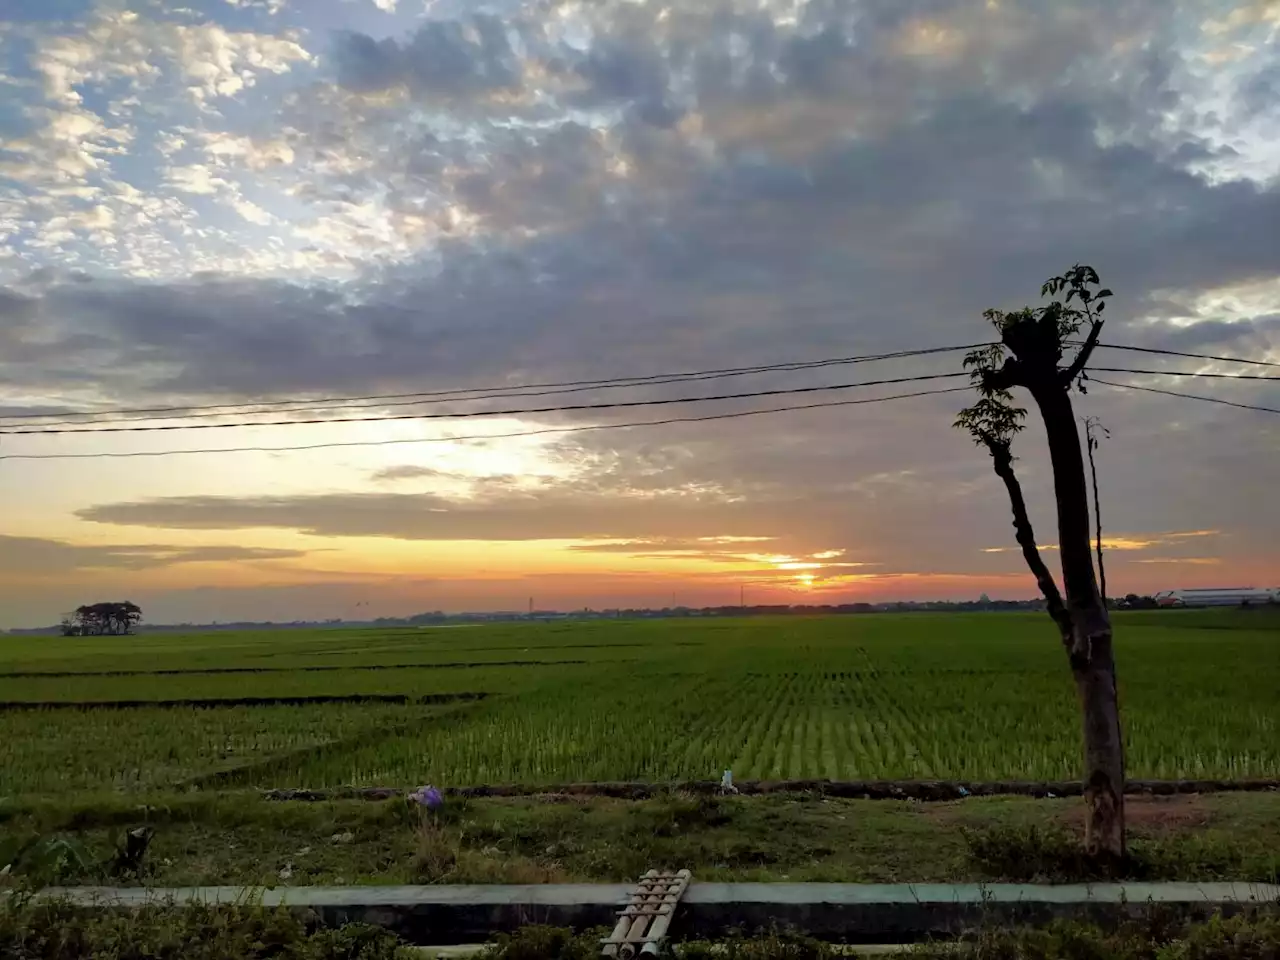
435	855
765	945
40	861
445	854
1244	937
545	943
1152	937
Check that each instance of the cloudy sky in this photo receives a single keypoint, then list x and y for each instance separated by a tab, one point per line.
224	201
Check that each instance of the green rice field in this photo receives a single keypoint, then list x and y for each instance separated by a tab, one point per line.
954	696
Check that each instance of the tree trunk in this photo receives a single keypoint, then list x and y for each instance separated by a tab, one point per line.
1103	751
1090	647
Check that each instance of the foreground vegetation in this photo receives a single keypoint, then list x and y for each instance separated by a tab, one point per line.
962	696
1255	937
57	931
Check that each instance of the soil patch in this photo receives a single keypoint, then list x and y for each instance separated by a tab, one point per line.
1150	815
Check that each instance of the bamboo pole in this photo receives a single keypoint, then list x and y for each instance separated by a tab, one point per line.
622	929
643	920
658	928
642	913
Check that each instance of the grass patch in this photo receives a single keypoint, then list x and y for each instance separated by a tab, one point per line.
1053	853
237	838
443	856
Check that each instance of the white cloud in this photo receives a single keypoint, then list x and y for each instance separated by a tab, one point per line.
151	73
67	145
251	212
196	178
110	48
271	6
212	60
217	62
99	217
254	154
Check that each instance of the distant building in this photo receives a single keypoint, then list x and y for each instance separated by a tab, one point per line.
1217	597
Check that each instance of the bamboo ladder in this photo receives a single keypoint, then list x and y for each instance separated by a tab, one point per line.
643	922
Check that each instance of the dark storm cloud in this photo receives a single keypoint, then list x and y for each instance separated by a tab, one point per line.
15	309
1260	92
629	70
35	556
1251	337
442	58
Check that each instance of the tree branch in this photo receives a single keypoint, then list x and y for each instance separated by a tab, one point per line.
1086	351
1002	461
1092	445
1009	374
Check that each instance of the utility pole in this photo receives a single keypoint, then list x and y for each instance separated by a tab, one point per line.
742	595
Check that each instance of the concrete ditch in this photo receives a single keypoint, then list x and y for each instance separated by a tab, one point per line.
845	912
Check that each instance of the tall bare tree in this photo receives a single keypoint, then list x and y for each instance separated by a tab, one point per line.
1030	356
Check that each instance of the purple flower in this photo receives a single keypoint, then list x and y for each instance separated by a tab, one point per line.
428	797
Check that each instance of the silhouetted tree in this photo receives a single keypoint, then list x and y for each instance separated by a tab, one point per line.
1132	601
108	618
1030	355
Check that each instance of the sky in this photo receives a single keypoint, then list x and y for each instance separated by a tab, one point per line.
227	201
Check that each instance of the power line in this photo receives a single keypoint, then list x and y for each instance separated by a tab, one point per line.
111	415
424	399
582	428
485	393
1187	373
486	436
1179	353
1188	396
480	413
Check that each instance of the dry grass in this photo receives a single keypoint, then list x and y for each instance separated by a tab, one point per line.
442	856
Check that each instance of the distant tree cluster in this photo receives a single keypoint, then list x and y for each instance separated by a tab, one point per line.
1132	601
102	619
